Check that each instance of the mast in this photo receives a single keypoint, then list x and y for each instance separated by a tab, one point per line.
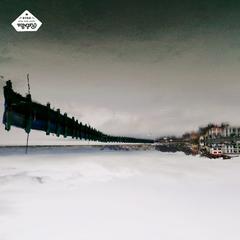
29	95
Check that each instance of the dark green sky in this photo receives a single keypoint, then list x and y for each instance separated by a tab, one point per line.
133	19
133	68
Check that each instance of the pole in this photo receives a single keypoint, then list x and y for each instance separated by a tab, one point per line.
26	150
28	83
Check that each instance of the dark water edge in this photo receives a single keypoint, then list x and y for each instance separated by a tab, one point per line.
69	149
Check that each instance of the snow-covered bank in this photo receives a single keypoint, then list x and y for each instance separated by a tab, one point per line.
118	195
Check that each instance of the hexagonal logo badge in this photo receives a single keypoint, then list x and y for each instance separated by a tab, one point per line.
26	22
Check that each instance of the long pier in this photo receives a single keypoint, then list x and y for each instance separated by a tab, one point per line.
24	113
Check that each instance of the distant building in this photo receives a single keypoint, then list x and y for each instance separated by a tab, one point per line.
215	132
216	150
229	131
201	141
221	140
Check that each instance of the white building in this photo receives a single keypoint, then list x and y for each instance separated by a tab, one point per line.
229	131
215	132
222	140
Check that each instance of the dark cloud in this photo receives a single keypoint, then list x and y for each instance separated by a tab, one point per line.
133	19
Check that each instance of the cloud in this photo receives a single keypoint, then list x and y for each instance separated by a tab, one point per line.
5	59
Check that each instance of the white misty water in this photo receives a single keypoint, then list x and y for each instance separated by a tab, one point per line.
91	194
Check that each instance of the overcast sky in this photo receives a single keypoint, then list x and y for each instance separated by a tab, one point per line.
135	69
